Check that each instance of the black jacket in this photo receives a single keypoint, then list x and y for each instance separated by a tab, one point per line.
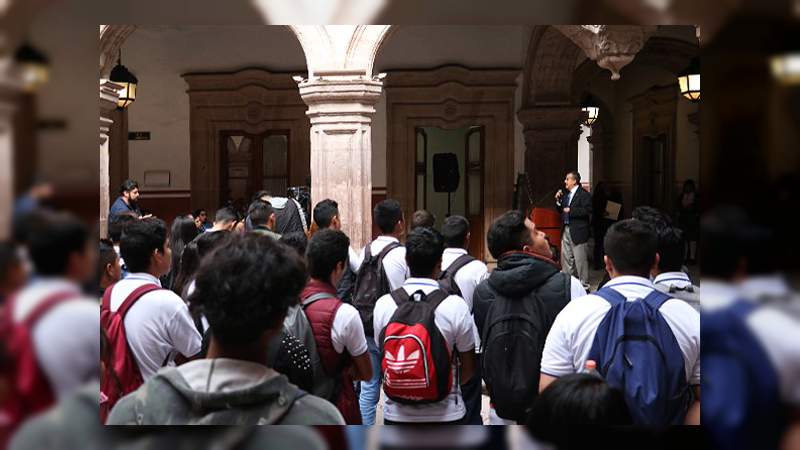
580	213
520	275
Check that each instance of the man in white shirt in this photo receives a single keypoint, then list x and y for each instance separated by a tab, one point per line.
466	273
451	317
158	326
670	279
631	256
388	216
732	274
64	336
337	327
326	215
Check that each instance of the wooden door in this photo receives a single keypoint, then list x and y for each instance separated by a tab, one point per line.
250	163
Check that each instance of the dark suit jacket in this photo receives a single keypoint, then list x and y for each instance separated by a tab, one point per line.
580	213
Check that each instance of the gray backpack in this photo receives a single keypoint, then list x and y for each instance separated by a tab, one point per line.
689	294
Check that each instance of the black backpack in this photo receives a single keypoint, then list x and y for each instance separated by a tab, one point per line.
371	284
512	342
447	278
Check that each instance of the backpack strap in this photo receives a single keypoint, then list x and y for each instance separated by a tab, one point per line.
389	247
130	300
400	296
567	286
46	305
435	297
453	269
611	296
688	288
313	298
655	299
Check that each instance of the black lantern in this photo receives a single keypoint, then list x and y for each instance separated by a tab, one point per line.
689	81
33	65
592	109
122	76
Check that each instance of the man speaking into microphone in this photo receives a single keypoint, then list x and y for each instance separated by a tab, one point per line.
575	206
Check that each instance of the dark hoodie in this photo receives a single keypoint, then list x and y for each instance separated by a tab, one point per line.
518	276
221	391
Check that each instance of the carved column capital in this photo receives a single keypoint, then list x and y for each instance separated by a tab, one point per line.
612	46
340	98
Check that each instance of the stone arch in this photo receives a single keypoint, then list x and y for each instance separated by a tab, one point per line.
549	68
344	49
340	49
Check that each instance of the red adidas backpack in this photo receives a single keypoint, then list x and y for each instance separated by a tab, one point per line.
120	373
415	358
29	390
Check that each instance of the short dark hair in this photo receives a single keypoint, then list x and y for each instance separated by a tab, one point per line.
259	194
139	240
455	230
326	249
653	216
198	212
722	230
422	218
508	233
631	245
296	240
127	186
424	247
223	215
386	215
576	400
53	238
246	286
106	255
575	175
671	249
259	212
324	212
117	224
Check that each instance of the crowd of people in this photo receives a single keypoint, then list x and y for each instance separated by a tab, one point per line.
261	319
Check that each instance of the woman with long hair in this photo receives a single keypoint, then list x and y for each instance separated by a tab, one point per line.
183	231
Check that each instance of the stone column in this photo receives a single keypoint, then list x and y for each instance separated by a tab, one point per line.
340	108
109	93
551	148
9	89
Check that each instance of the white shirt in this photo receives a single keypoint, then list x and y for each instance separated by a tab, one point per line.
65	337
453	319
157	326
347	331
467	279
678	279
569	197
567	346
394	263
777	331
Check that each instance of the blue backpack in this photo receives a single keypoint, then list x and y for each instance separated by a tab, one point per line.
741	406
637	353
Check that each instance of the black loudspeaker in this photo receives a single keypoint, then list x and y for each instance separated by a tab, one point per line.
445	172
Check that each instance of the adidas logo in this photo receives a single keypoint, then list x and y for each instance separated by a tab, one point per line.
402	363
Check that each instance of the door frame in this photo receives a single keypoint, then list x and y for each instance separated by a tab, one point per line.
253	101
452	97
258	157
